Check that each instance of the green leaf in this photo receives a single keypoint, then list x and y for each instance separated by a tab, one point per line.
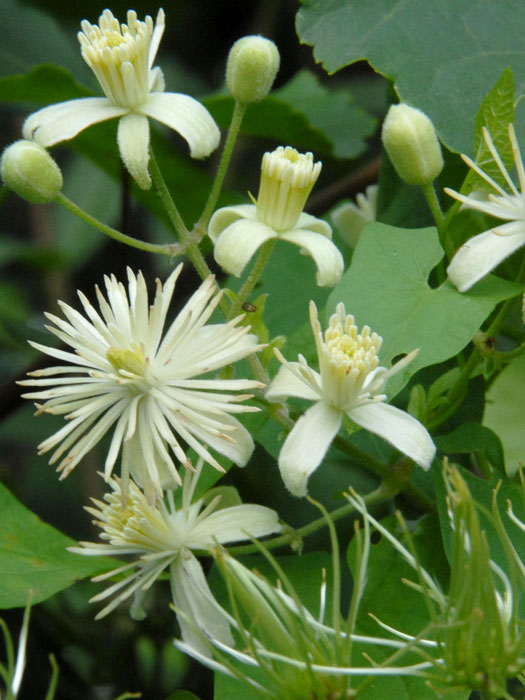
386	288
333	112
33	556
473	437
496	113
45	83
504	412
442	57
306	114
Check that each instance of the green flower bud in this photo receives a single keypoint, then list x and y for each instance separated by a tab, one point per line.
252	65
411	142
29	170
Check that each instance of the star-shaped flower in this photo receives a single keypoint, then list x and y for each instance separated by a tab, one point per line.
122	56
482	253
164	536
287	178
350	382
125	372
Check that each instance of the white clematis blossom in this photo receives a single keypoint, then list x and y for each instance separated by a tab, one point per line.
287	178
124	371
349	382
350	219
122	57
482	253
162	536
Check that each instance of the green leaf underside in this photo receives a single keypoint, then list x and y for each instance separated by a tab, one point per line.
386	288
33	556
495	114
462	47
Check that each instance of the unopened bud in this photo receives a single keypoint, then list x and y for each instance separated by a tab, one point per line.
28	169
411	142
252	65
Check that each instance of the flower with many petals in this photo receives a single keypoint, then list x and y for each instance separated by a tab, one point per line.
161	536
482	253
350	382
287	178
122	56
125	372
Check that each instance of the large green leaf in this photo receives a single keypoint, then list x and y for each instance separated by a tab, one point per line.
33	556
473	437
45	83
386	288
504	412
442	57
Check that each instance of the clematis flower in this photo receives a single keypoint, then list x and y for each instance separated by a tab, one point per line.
482	253
161	537
124	373
350	382
287	178
122	57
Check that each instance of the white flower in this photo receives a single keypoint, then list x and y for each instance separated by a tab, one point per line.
482	253
124	373
349	382
350	219
122	56
287	178
161	536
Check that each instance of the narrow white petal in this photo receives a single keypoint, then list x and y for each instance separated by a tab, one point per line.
234	524
481	254
63	121
306	445
133	143
307	222
228	215
289	382
326	255
238	242
192	597
399	428
187	117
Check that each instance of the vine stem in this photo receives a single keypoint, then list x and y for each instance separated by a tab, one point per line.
169	249
377	496
233	131
253	277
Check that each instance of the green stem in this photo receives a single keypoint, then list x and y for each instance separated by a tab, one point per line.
235	126
253	277
170	249
377	496
442	224
167	200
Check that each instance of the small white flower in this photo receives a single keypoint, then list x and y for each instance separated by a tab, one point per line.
482	253
122	56
125	372
349	382
161	536
287	178
350	219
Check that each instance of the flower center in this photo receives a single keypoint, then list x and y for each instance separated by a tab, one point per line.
127	361
287	178
118	54
348	358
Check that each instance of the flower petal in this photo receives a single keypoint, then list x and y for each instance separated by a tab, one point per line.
326	256
133	143
222	218
187	117
238	242
307	222
63	121
481	254
291	380
193	598
399	428
234	524
306	445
